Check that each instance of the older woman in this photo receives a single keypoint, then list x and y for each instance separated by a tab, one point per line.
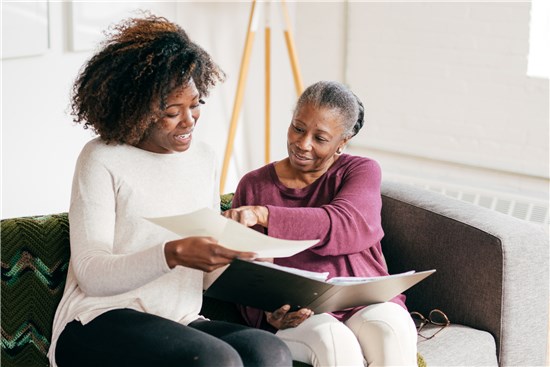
320	192
134	291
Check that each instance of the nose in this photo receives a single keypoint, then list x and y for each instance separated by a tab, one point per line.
304	143
187	118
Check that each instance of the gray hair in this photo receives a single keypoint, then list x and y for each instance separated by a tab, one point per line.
335	95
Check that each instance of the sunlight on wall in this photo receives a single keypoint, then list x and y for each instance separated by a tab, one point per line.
538	64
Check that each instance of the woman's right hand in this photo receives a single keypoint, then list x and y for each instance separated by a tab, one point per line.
202	253
249	215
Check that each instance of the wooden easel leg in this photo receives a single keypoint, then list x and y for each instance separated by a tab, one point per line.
298	83
267	92
252	26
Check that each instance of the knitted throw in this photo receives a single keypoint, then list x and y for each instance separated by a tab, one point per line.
35	259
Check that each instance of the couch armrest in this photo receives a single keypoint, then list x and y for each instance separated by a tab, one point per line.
492	269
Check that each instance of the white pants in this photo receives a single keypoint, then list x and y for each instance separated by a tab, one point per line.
382	334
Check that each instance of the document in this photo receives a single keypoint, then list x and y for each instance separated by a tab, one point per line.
230	234
267	286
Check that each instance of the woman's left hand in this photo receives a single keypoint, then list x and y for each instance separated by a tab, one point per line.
249	215
282	319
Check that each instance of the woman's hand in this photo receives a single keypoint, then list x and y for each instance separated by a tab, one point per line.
282	319
202	253
249	215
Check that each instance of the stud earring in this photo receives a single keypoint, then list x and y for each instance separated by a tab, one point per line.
339	151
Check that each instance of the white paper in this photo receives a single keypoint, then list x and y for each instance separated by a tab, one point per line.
230	234
357	280
321	276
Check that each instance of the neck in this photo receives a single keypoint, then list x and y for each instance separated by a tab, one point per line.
294	179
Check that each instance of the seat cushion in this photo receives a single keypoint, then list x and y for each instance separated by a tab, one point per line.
458	345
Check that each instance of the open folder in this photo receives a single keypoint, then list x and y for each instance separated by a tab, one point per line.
230	234
268	287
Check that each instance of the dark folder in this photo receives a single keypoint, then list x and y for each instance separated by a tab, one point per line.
267	288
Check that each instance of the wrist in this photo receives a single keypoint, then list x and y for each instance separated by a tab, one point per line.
170	254
262	213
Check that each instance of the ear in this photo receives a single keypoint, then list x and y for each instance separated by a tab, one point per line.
342	146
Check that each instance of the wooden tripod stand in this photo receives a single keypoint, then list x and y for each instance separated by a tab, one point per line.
252	28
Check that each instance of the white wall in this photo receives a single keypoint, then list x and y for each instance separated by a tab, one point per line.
39	141
444	86
448	100
459	95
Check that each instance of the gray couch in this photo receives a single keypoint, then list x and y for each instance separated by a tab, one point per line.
492	278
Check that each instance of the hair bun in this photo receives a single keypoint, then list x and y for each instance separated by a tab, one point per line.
360	117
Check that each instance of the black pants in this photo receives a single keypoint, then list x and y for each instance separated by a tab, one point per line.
130	338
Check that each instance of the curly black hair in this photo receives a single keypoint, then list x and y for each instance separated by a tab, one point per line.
121	91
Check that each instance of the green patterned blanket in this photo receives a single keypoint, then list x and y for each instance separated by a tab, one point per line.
35	259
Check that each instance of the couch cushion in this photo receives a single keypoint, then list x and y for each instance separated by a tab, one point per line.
35	259
458	345
466	258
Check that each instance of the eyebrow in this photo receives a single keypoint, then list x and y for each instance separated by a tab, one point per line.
316	130
197	95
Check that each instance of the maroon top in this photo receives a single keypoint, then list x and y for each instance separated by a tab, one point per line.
341	209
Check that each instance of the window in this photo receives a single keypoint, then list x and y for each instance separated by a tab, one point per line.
538	64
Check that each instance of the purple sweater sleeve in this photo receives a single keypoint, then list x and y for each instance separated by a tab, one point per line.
343	211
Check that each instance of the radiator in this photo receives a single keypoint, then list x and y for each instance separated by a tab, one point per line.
519	206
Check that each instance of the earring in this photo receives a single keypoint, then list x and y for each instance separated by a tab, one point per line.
339	151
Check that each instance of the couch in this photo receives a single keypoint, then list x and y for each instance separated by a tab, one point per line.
491	280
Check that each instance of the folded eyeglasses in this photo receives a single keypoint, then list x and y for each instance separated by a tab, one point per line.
436	317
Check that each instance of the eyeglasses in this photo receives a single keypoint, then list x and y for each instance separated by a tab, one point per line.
436	317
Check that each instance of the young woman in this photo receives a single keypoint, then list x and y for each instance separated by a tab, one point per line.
134	291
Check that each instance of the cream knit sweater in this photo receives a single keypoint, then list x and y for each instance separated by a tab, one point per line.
117	257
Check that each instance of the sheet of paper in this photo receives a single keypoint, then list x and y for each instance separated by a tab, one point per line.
321	276
356	280
230	234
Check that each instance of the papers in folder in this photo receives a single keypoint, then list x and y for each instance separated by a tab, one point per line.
230	234
268	287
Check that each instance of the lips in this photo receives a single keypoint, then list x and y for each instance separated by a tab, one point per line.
184	137
301	157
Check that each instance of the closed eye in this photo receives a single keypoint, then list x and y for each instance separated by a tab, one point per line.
297	129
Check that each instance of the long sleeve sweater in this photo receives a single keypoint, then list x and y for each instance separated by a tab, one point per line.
341	208
117	256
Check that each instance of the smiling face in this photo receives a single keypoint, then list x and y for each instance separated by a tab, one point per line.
174	130
313	137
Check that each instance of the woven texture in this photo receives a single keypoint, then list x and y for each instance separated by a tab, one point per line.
35	259
225	201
